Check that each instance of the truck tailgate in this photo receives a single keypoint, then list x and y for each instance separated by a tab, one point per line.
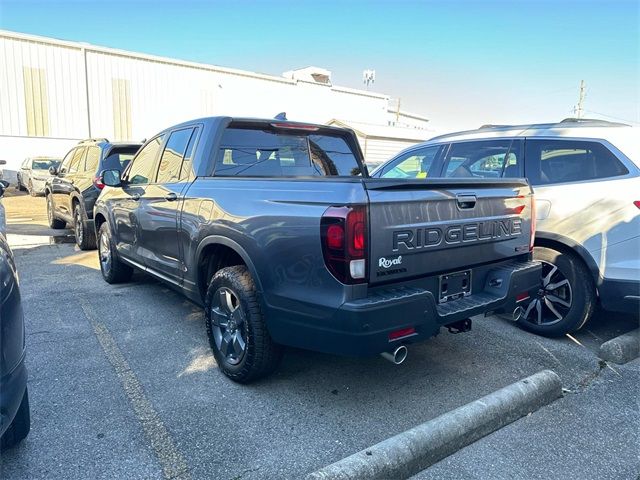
426	227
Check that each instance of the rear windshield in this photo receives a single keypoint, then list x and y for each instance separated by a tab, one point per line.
44	163
265	153
119	158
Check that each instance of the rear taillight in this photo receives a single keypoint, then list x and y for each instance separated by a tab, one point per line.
533	223
344	234
637	203
97	182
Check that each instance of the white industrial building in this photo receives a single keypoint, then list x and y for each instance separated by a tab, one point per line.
54	93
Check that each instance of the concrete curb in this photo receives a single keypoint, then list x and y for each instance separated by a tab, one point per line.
621	349
414	450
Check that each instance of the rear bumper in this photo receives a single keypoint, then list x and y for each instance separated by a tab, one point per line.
620	295
12	388
365	324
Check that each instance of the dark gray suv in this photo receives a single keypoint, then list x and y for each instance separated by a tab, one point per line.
75	185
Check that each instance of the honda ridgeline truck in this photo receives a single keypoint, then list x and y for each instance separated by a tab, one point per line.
278	230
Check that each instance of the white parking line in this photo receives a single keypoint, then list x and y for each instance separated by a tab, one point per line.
171	460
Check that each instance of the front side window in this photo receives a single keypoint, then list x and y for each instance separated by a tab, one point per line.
266	153
561	161
171	160
414	164
76	160
142	169
66	161
483	159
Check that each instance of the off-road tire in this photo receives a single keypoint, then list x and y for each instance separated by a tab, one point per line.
262	354
19	427
584	297
85	236
54	222
117	271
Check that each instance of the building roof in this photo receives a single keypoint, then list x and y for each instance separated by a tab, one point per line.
369	130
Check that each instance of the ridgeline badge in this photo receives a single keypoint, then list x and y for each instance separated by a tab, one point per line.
387	263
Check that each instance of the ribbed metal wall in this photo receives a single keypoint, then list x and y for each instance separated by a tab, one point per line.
110	93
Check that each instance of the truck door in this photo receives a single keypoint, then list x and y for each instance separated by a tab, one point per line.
161	203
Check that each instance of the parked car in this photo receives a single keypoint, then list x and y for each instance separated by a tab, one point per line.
73	187
277	229
34	173
586	178
14	397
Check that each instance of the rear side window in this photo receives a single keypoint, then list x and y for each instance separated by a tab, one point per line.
414	164
483	159
560	161
92	160
171	160
266	153
119	158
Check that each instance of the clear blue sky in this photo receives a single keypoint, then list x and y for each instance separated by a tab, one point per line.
461	63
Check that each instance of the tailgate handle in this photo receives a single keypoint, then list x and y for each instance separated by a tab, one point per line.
466	201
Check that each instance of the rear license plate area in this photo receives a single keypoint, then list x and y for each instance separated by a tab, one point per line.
452	286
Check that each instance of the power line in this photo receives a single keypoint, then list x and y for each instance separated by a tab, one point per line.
612	117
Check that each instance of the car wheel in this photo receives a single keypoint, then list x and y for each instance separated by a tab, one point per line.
85	238
567	298
236	327
112	268
19	427
20	186
53	221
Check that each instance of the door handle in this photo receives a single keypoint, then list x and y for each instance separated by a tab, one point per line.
135	196
170	197
466	201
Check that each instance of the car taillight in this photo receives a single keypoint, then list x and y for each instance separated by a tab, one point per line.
533	222
98	183
343	232
637	203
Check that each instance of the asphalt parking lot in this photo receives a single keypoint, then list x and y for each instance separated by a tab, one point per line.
122	384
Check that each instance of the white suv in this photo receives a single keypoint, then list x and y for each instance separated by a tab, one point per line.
586	178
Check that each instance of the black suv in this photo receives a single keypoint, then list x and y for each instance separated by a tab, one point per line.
75	185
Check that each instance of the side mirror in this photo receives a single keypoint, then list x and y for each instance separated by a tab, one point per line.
3	186
111	178
53	171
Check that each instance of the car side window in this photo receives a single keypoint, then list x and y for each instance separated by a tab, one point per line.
75	164
187	162
413	164
481	159
66	161
141	171
174	152
561	161
92	159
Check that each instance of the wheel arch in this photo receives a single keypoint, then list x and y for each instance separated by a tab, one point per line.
562	243
215	252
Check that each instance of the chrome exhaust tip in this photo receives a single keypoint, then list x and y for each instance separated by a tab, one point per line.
517	313
396	356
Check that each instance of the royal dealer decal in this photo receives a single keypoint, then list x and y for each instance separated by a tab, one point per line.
387	263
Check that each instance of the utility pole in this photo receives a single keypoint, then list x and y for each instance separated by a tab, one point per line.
579	109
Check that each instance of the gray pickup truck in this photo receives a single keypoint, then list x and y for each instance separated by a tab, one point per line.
278	230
